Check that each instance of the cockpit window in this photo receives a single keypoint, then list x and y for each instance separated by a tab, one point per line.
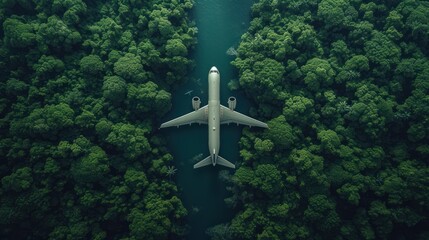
213	71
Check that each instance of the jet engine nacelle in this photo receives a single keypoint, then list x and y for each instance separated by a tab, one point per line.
232	102
196	102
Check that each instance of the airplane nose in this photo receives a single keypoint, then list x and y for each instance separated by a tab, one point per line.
214	70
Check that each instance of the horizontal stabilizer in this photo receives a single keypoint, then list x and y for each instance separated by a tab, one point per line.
222	161
205	162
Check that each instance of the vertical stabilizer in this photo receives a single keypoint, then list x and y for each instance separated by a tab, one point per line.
222	161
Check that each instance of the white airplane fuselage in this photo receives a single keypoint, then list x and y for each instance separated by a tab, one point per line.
214	114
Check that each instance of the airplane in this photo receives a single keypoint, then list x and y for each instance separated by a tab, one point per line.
213	114
189	92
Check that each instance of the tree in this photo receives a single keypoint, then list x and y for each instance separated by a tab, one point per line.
103	128
86	120
382	51
280	133
367	115
380	217
329	140
318	73
91	65
353	68
57	34
148	52
114	89
171	171
243	176
126	40
336	13
266	74
159	24
91	168
267	178
129	139
321	208
18	34
299	110
48	66
19	180
152	223
129	67
136	180
248	223
263	145
309	166
75	10
350	193
15	87
340	51
269	72
148	97
175	47
417	21
305	42
49	120
105	35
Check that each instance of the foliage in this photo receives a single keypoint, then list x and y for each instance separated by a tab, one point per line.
80	159
343	87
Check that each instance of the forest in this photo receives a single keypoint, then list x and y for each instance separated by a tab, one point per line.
344	87
342	84
83	85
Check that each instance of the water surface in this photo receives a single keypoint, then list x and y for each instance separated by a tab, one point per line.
220	25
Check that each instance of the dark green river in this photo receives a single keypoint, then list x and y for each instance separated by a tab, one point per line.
220	25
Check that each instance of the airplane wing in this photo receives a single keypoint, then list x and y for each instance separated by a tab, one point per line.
199	116
229	116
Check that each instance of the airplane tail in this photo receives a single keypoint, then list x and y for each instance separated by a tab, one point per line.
222	161
208	160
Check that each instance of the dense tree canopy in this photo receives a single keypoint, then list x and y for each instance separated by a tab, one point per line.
80	159
343	86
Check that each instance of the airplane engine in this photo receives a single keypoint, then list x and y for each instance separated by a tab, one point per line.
196	102
232	102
